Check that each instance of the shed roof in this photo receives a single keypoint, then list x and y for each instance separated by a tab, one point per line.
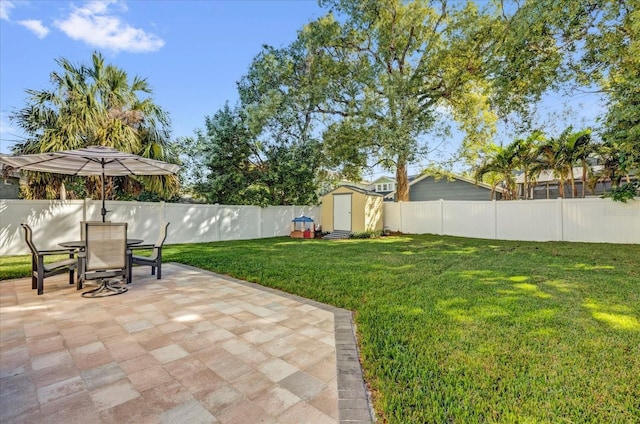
357	189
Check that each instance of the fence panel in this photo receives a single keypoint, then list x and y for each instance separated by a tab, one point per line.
578	220
239	222
422	217
539	220
56	221
52	222
191	223
391	216
586	220
276	221
595	220
469	219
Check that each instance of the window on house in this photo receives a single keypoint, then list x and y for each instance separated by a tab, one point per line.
384	187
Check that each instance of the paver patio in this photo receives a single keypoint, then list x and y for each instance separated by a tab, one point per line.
194	347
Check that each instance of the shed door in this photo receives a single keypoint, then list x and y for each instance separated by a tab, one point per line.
342	212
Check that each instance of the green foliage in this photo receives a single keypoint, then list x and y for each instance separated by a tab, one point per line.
366	234
95	104
498	168
586	44
383	71
241	170
535	154
624	192
560	154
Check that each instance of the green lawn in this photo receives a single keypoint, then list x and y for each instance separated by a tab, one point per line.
464	330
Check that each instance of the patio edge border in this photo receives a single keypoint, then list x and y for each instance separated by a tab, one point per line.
354	403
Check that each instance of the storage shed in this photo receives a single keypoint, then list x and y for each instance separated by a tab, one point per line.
352	209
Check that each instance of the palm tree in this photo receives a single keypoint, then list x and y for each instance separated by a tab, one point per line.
499	165
526	154
581	148
553	155
95	105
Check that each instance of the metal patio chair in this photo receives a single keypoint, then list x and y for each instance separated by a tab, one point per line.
155	260
106	257
41	270
81	252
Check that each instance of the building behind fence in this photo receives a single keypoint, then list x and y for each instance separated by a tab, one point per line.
576	220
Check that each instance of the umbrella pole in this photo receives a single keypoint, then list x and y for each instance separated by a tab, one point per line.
104	209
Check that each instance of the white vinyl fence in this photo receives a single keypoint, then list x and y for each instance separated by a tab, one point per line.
55	221
578	220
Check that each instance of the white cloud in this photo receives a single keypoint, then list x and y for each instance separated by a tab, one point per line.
96	24
36	27
5	8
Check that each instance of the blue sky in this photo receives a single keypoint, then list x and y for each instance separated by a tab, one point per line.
191	52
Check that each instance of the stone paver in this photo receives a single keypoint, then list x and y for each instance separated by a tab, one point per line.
193	347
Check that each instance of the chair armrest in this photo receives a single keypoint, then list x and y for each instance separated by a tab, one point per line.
141	246
56	252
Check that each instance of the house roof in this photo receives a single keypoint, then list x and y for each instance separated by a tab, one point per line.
383	179
456	177
461	178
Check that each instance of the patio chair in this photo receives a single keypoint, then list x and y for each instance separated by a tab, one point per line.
106	257
83	226
155	260
81	252
41	270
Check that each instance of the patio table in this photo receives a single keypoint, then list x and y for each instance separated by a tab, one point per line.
81	244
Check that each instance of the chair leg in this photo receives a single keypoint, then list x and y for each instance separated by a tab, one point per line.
34	272
81	272
71	270
40	275
159	262
129	266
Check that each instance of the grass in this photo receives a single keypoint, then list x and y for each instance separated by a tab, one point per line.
465	330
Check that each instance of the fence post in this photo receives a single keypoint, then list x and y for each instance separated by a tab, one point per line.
84	209
560	219
260	222
216	227
495	219
441	217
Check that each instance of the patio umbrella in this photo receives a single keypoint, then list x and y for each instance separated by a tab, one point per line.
93	160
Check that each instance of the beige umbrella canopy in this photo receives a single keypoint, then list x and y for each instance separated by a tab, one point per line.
93	160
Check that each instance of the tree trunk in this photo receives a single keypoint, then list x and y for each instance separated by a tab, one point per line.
584	177
402	182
